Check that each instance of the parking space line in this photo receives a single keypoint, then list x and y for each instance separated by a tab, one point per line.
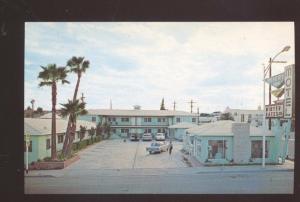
136	151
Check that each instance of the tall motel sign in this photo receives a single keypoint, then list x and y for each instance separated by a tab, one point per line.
283	109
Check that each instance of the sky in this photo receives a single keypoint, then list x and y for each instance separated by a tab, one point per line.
138	63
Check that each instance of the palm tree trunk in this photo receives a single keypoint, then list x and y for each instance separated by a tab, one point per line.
53	128
70	132
72	137
77	87
68	142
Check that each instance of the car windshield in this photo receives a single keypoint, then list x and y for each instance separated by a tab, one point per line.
155	144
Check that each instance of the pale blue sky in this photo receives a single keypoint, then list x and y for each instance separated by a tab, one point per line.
215	64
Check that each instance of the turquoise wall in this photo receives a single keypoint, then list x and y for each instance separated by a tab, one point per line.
118	124
272	150
202	154
39	144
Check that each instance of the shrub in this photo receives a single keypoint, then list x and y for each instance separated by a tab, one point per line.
47	158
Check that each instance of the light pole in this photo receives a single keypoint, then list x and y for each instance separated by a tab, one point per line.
269	68
27	142
265	71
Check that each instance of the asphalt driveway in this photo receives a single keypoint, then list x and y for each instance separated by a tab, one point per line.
116	154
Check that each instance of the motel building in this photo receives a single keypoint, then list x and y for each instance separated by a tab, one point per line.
229	142
40	136
123	123
252	116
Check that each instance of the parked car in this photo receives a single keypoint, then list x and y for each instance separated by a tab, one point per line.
147	136
160	137
157	147
134	137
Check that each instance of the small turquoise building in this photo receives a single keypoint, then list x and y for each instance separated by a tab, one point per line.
40	136
225	142
177	131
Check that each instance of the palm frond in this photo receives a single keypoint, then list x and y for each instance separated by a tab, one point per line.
45	83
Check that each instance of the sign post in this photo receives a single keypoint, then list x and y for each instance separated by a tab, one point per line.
27	142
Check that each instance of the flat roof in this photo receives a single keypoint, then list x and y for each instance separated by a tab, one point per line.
37	126
183	125
224	128
137	112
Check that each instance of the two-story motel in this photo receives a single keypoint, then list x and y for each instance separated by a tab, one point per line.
126	122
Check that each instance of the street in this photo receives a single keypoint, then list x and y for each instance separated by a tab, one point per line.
125	167
159	181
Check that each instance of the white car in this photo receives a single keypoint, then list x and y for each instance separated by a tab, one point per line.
134	137
147	136
160	137
157	147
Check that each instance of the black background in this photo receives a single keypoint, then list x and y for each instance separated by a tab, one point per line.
13	14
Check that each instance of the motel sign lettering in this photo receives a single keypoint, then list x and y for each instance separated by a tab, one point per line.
289	88
275	110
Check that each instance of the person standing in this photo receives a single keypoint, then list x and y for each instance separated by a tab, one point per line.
170	148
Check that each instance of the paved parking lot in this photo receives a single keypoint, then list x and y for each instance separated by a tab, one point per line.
116	154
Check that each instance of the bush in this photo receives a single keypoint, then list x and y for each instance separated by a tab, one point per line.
47	158
60	156
97	139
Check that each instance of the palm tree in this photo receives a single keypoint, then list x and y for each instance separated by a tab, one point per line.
77	65
50	76
72	109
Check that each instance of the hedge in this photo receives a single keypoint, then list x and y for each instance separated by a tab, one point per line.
84	143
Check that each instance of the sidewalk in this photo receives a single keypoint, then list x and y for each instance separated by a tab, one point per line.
287	166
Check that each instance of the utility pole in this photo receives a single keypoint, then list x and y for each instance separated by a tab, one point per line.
192	102
32	107
174	105
270	97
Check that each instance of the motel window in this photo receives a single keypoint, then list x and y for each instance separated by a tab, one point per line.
177	120
29	147
111	119
93	119
60	138
147	130
124	130
256	149
161	130
159	120
235	114
163	120
193	120
48	144
217	149
242	117
125	119
147	119
113	130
